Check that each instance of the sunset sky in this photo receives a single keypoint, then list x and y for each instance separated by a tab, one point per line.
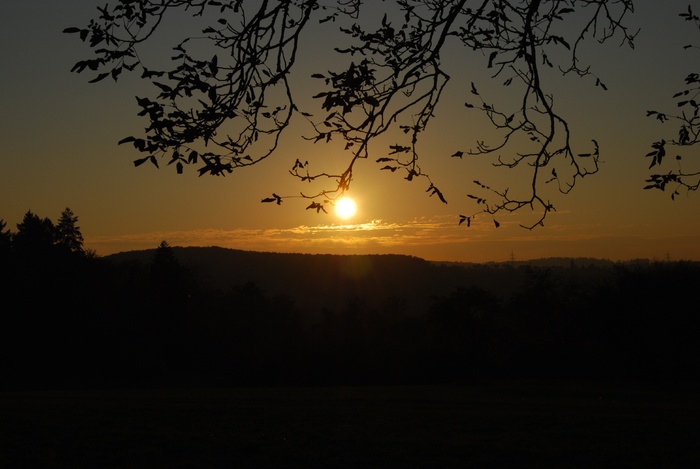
59	149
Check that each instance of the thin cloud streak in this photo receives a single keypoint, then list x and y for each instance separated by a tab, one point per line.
375	232
438	238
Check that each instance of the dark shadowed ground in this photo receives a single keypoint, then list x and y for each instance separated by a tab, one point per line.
487	425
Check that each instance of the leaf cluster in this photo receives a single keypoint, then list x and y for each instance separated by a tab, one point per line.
686	120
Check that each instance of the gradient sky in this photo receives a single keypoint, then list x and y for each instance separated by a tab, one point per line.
59	148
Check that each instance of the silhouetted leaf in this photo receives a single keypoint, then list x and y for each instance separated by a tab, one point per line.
398	149
435	191
214	65
141	161
491	57
318	207
372	101
99	77
560	40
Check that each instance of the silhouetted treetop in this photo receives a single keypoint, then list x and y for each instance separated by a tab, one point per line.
34	235
38	238
226	97
68	235
5	238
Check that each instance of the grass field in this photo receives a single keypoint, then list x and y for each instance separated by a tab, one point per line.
487	425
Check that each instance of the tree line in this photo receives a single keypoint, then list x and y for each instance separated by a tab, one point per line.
36	236
71	318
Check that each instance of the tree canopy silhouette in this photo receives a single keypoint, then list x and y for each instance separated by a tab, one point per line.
226	97
39	238
35	236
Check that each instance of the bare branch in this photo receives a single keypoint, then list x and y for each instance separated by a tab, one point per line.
227	110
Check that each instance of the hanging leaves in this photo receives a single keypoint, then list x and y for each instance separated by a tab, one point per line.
275	198
230	93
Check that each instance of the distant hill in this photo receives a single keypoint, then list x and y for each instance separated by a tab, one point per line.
312	280
566	262
331	281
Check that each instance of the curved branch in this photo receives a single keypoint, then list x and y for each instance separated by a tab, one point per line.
227	111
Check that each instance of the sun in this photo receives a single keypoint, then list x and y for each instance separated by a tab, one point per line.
345	208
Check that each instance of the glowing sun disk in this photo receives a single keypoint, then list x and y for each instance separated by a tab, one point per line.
345	208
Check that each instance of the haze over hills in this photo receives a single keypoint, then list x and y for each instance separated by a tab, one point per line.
330	281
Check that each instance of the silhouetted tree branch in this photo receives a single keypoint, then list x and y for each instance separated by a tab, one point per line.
227	97
687	120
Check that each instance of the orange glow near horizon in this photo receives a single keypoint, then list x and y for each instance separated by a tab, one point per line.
70	158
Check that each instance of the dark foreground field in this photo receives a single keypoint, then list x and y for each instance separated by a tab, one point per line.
494	425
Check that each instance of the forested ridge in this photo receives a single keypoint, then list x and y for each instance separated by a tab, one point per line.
101	321
214	316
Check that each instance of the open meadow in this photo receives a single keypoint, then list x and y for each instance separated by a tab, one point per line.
524	424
